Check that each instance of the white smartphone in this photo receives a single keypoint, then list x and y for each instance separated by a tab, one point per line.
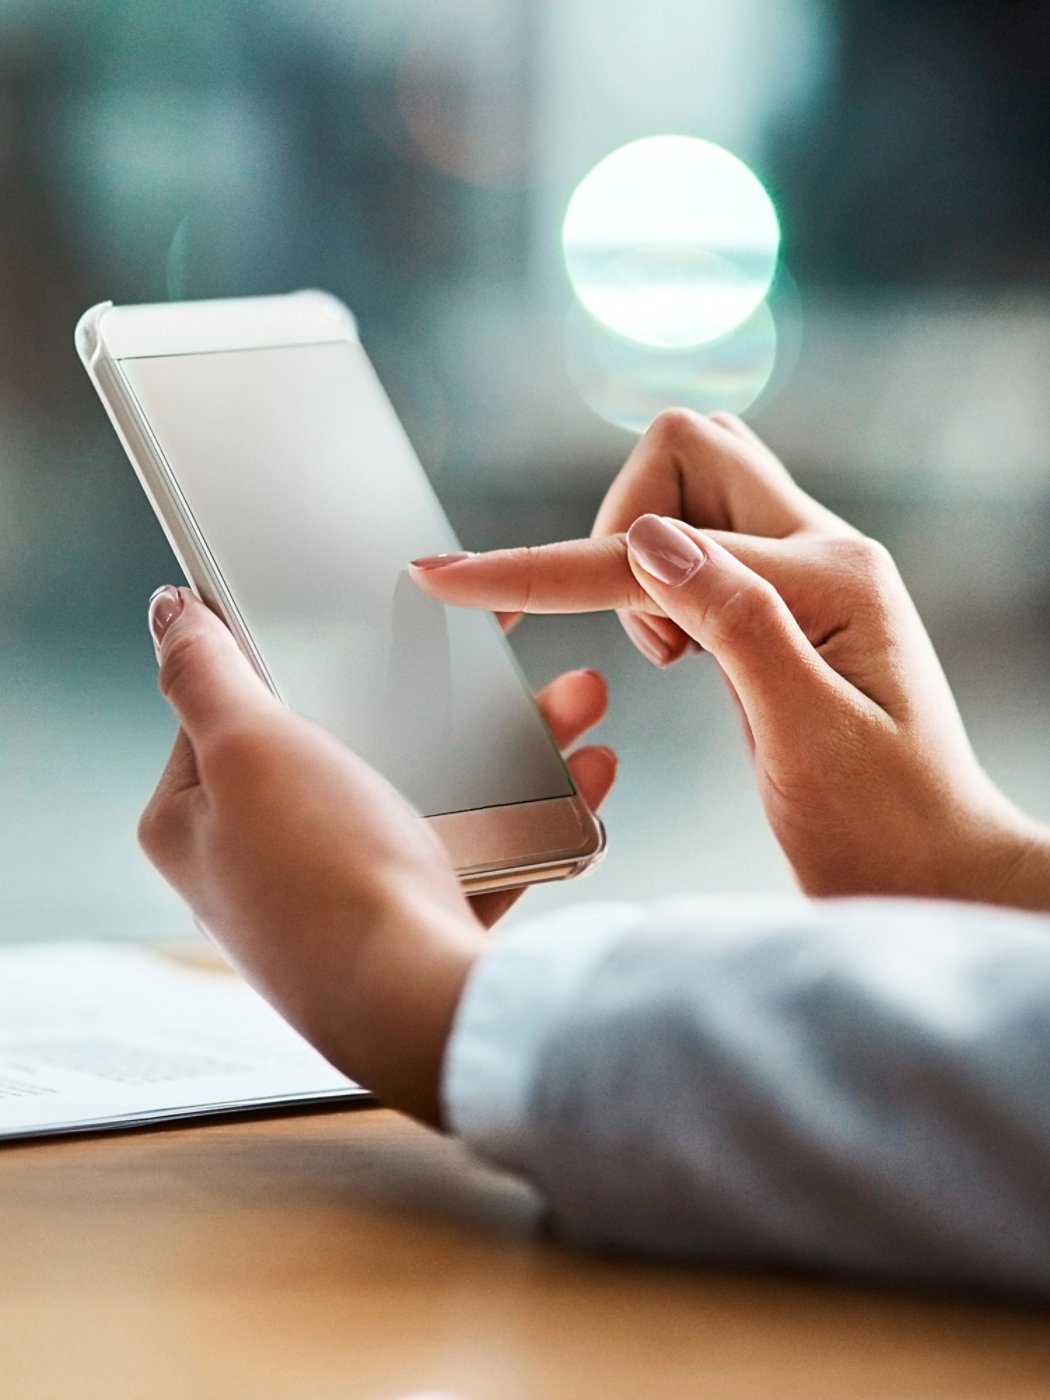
293	501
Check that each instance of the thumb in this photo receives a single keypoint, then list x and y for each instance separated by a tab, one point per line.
783	683
204	676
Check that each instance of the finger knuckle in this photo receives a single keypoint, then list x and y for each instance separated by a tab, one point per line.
154	830
755	607
526	558
746	612
864	561
679	430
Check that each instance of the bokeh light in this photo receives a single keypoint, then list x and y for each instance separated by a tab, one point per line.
671	241
628	383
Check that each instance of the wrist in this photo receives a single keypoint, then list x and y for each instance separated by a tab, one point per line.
974	847
991	853
1019	866
386	1018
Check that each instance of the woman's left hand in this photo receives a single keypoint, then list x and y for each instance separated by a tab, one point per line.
318	880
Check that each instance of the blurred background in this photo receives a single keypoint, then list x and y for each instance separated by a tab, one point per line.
417	158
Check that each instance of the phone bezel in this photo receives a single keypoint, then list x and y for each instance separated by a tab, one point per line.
491	847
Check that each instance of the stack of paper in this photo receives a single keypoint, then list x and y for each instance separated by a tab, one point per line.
102	1036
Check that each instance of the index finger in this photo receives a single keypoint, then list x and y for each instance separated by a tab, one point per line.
568	577
594	575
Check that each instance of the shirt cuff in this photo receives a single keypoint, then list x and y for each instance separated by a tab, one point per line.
514	998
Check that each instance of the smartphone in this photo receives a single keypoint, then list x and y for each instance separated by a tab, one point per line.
293	501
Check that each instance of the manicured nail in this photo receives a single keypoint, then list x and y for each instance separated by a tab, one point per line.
164	607
648	641
438	561
664	550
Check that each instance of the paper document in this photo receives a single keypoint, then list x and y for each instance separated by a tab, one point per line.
103	1036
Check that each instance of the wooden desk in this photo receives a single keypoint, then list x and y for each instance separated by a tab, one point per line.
351	1255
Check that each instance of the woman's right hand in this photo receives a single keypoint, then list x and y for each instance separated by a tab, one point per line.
863	765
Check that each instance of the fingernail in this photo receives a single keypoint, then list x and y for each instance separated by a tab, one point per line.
646	639
438	561
664	550
164	607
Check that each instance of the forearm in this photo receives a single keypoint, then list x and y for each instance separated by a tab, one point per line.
969	844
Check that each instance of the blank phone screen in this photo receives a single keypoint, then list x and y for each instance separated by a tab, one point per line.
312	501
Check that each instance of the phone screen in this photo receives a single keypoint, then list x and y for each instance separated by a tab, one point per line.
312	501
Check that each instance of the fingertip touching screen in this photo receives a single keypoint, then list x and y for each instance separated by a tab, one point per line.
312	501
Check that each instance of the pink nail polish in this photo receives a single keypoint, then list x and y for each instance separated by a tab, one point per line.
664	550
164	607
438	561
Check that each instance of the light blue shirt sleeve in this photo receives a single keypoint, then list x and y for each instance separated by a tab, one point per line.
853	1085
